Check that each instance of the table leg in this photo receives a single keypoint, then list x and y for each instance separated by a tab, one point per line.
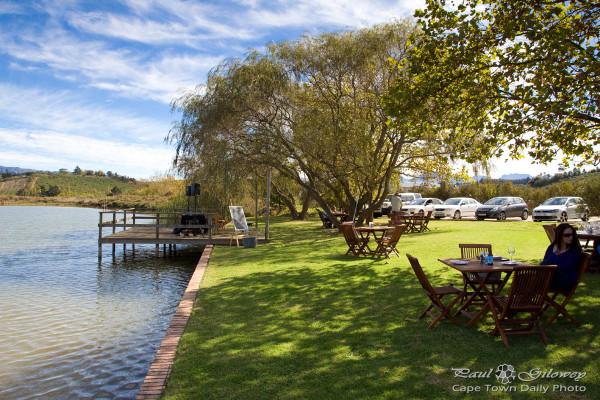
488	305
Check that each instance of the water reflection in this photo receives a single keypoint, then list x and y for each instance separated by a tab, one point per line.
73	327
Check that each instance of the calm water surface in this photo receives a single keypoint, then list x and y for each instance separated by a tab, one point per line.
71	327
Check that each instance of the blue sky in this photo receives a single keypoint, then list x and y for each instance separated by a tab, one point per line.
89	83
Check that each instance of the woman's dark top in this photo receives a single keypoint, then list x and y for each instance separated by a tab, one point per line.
565	276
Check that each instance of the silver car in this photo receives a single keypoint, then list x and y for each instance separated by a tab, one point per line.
561	209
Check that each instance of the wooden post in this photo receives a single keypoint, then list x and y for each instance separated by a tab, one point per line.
100	238
157	229
268	204
114	229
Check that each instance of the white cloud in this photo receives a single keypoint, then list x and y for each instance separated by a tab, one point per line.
54	150
65	111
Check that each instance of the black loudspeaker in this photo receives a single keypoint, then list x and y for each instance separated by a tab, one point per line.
195	189
188	190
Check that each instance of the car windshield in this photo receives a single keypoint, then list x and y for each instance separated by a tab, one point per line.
555	201
496	201
418	202
452	202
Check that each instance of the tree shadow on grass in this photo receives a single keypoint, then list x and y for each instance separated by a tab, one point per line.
342	332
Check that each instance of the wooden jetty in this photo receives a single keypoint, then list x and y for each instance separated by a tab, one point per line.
149	227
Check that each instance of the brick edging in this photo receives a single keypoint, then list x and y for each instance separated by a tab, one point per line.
159	371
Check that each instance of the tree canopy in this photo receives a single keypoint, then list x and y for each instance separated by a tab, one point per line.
312	109
526	73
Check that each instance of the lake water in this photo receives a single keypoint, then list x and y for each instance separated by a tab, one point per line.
70	326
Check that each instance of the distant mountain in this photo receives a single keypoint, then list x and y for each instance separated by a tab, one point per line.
16	170
515	177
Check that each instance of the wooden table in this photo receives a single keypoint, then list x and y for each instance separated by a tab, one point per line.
343	217
366	231
596	238
475	268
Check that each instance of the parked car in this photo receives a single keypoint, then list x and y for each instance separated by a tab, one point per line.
502	208
561	209
421	206
456	207
386	207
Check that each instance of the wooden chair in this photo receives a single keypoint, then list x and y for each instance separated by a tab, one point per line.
326	222
584	262
425	226
356	245
420	222
387	245
468	250
435	295
527	295
550	231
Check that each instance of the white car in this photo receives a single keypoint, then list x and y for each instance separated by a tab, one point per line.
421	206
561	209
456	207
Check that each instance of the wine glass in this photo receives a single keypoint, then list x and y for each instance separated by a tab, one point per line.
511	251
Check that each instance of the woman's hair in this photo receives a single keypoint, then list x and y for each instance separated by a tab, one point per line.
560	229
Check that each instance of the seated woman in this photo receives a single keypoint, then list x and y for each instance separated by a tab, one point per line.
565	252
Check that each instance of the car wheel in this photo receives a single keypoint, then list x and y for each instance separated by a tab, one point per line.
457	214
563	217
421	213
502	216
524	215
586	216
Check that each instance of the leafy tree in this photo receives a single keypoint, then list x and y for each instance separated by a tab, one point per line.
311	109
525	72
51	191
77	171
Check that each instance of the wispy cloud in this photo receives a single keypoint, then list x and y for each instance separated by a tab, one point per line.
65	111
59	149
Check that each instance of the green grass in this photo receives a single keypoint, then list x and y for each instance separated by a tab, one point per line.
295	319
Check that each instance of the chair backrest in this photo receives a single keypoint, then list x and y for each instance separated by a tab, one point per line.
528	288
416	266
428	217
550	231
468	250
396	234
349	233
584	263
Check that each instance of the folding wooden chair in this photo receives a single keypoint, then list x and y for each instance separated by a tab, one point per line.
324	219
550	231
527	295
468	250
584	262
425	225
435	294
356	245
387	245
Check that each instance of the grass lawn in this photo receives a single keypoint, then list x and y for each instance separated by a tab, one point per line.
295	319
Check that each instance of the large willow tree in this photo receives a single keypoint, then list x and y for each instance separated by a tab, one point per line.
312	109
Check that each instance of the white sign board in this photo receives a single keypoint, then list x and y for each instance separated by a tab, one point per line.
238	218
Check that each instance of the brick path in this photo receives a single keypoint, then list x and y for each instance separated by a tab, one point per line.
158	374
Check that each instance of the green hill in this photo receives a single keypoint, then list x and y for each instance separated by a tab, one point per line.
39	183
